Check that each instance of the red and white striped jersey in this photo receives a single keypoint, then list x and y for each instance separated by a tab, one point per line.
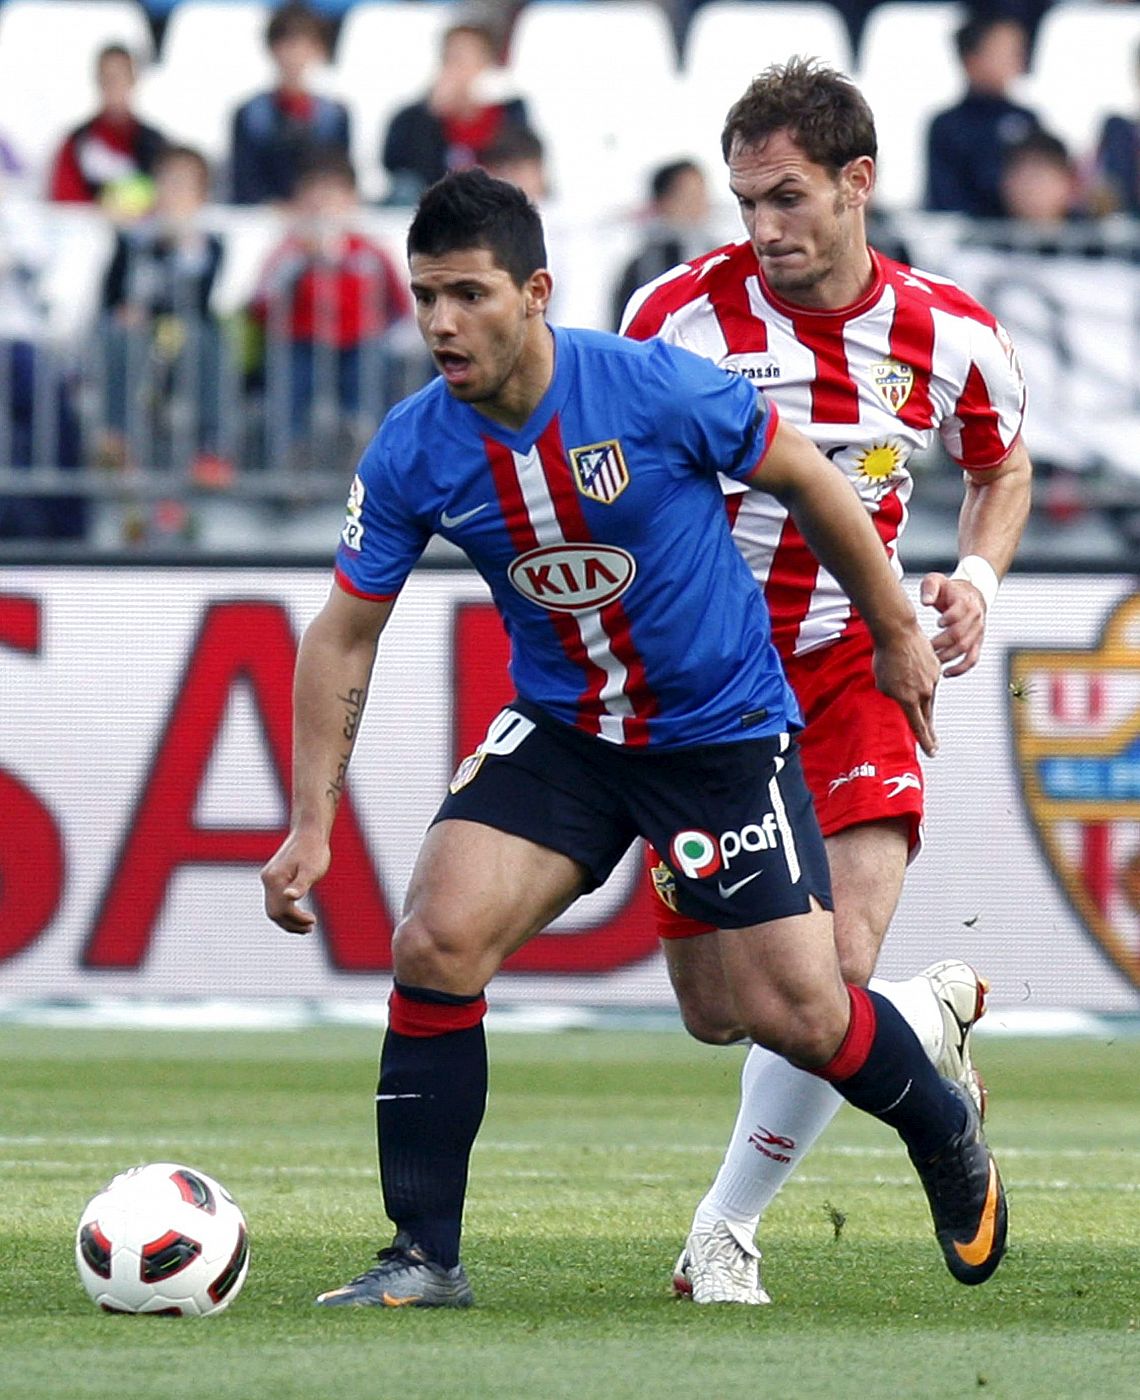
869	384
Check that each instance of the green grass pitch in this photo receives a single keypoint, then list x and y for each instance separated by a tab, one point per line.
595	1148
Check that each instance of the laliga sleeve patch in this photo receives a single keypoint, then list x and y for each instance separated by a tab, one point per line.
353	533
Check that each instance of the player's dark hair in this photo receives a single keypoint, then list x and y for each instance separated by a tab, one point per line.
666	176
294	20
470	209
823	112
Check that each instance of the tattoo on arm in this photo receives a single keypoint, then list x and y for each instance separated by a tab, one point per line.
353	712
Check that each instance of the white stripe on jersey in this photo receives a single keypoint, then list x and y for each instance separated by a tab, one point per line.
595	640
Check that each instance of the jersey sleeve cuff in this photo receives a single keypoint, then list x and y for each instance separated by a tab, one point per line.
980	468
346	584
748	469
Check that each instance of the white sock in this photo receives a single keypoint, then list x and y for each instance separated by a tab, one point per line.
782	1112
916	1003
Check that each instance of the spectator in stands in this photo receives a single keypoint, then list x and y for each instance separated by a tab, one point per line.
113	148
161	343
966	143
276	133
517	156
1118	162
456	121
677	229
39	426
326	302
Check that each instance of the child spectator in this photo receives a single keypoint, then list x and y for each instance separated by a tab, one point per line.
277	132
162	344
1039	181
113	148
326	299
456	122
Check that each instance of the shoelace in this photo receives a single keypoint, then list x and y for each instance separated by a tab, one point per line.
726	1253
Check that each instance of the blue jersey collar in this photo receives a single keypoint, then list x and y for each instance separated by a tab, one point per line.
524	438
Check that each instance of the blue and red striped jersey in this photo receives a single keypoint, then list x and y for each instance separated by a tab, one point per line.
600	529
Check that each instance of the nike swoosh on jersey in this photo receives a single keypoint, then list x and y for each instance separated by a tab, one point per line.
978	1250
449	522
727	891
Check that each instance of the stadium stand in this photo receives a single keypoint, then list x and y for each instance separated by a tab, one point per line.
213	57
908	71
1084	68
600	82
611	100
47	86
385	57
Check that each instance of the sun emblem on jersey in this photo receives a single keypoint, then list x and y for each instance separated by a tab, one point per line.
879	461
892	381
600	471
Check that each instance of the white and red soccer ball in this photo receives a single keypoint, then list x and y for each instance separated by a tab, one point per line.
163	1239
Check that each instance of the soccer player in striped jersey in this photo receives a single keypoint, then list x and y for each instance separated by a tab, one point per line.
870	359
579	473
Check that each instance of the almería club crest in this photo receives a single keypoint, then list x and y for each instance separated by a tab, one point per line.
893	382
1075	718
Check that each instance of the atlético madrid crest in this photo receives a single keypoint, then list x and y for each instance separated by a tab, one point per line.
1076	725
600	471
893	382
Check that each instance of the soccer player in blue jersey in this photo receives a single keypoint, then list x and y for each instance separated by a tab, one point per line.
579	473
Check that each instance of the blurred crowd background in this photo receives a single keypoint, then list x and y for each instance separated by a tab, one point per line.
203	304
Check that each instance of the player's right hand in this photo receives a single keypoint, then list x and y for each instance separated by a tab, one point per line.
289	875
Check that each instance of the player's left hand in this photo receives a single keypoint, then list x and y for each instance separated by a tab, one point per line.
962	615
907	670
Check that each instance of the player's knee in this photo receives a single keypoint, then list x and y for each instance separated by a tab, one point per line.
711	1023
809	1036
425	953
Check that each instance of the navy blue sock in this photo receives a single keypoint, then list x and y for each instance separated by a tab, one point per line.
882	1069
429	1105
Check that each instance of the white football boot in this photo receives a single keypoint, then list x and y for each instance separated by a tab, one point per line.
961	996
721	1265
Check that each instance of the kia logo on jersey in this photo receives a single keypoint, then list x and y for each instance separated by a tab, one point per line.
573	577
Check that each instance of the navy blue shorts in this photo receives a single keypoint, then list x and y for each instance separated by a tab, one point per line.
733	822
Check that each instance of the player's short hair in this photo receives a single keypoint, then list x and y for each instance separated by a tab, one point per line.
295	19
471	209
822	110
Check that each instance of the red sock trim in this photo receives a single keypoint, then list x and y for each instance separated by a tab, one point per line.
852	1054
424	1018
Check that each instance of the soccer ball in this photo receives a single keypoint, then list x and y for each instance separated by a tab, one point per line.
162	1239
